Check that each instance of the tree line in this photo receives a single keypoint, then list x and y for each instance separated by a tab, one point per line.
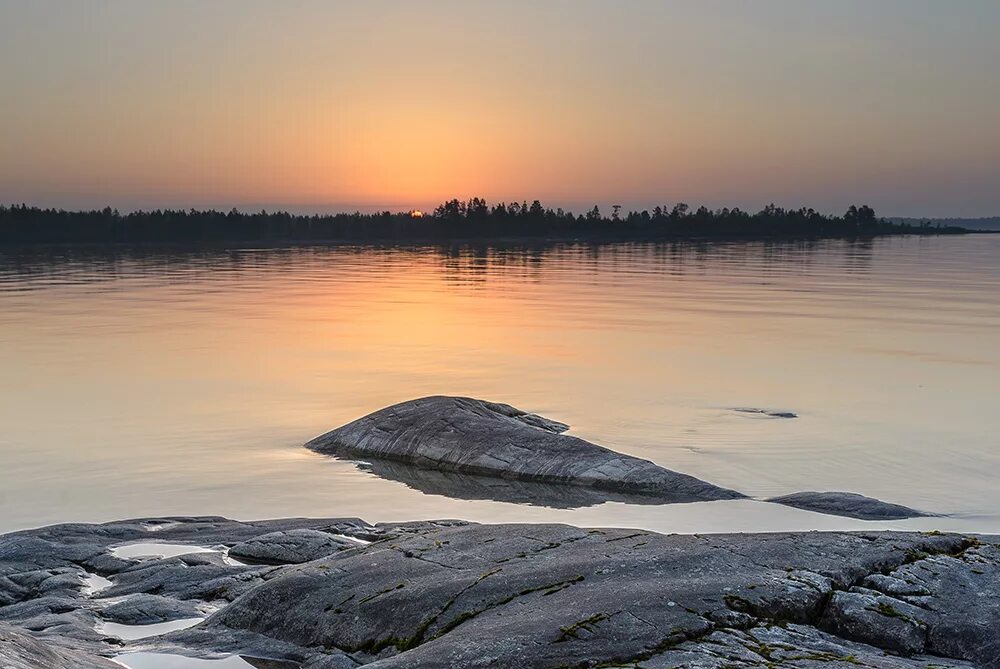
473	219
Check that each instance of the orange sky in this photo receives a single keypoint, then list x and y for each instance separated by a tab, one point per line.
320	106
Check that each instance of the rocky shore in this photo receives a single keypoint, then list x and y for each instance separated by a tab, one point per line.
340	593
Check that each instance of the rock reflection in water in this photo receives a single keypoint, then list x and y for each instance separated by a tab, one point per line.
515	491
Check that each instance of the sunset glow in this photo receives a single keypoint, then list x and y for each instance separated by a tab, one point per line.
513	333
334	107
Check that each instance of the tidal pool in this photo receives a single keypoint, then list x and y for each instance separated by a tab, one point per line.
133	632
167	661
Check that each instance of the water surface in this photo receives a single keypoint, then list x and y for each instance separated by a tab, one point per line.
151	382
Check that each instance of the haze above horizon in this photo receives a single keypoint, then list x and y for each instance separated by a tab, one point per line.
312	106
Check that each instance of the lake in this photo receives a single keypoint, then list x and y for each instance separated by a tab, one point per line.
184	382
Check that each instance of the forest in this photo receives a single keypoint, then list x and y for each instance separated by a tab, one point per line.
454	220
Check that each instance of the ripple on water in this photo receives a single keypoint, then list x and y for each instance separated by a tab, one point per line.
886	348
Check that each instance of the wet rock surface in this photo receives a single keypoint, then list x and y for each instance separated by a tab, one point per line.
457	594
477	437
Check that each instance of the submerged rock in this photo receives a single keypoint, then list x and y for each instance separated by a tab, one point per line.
847	504
765	413
486	438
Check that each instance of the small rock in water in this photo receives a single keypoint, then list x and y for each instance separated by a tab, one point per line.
472	436
766	413
847	504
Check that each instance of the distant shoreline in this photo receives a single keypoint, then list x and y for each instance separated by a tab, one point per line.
440	242
453	222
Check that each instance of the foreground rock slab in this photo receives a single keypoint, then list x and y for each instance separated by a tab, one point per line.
471	436
456	594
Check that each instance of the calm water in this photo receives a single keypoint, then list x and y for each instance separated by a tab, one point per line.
152	383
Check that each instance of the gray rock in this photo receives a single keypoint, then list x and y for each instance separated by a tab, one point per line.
187	577
765	413
894	587
847	504
551	595
456	594
145	609
20	651
290	547
878	620
789	646
339	661
486	438
474	449
958	595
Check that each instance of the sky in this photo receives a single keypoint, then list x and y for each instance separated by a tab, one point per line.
325	106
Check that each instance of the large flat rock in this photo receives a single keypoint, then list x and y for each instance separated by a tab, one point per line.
471	436
456	594
554	596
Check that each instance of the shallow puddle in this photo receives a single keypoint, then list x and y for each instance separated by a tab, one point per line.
156	550
167	661
133	632
94	583
152	550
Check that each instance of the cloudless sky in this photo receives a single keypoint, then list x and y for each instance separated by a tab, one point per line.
328	106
